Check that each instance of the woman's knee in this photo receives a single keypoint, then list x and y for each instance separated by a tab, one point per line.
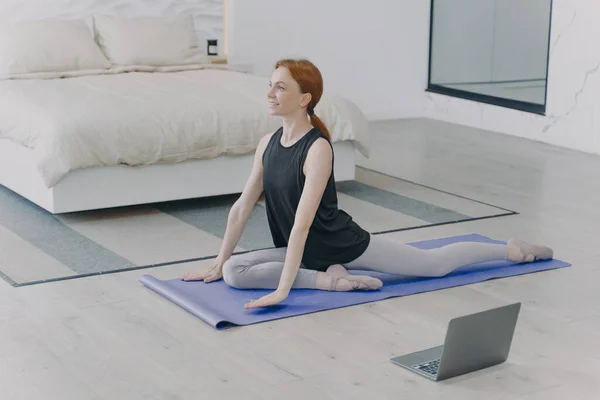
232	273
235	270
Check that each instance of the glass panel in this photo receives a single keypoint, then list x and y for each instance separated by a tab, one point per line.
494	51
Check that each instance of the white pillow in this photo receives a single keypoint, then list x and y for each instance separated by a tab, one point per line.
50	45
155	41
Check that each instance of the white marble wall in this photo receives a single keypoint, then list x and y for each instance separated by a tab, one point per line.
208	14
573	104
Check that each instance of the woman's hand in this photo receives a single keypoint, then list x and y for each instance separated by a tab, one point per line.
212	273
268	300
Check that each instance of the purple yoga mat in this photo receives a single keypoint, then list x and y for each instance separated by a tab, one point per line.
221	306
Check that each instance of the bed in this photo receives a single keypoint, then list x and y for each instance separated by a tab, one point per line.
123	133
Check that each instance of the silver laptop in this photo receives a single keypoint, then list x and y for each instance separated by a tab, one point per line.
473	342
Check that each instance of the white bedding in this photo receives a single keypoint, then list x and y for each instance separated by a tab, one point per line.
139	118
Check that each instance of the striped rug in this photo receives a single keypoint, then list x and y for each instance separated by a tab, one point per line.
37	247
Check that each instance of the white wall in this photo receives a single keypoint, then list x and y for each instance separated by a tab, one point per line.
489	40
360	47
208	14
390	81
376	54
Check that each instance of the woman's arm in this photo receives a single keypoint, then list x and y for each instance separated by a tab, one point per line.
242	208
237	218
318	169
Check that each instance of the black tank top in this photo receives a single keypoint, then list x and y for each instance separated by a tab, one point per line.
333	238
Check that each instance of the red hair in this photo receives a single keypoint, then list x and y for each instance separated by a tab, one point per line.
310	80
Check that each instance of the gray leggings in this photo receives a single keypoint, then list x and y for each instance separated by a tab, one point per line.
261	269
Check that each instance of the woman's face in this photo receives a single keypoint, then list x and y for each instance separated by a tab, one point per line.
284	94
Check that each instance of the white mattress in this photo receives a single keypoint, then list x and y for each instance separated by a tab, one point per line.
139	118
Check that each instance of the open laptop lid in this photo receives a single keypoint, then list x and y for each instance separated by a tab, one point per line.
478	340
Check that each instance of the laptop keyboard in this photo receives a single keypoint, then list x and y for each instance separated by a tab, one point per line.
429	367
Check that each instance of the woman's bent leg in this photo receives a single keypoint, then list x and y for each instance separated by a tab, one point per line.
261	269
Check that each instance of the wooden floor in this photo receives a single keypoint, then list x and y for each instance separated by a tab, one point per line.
108	337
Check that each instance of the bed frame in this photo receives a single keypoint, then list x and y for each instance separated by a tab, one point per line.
116	186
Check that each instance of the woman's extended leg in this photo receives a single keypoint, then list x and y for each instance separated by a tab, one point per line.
385	255
261	269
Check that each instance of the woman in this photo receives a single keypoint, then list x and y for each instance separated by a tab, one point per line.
315	242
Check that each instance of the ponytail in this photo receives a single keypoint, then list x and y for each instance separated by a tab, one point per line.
317	123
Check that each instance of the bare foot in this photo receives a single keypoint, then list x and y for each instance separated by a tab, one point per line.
343	281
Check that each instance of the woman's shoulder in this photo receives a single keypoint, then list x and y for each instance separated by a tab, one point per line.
319	136
316	131
320	146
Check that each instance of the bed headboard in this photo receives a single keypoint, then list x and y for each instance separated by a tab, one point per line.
208	14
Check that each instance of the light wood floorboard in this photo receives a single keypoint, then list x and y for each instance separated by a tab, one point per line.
108	337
